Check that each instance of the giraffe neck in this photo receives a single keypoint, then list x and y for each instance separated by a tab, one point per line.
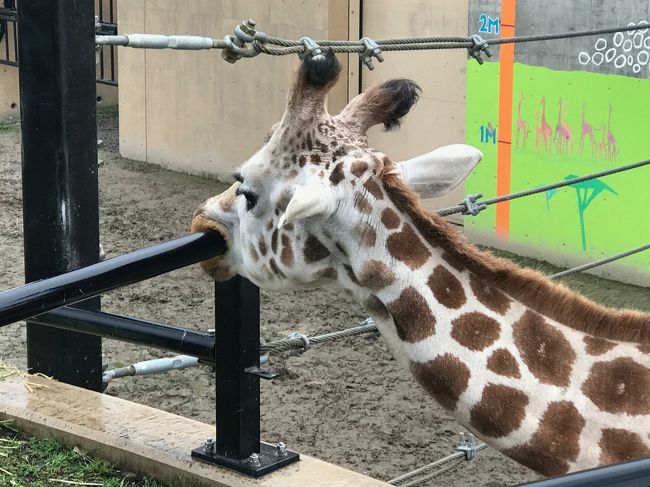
475	348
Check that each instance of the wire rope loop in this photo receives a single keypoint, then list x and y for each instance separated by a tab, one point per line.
305	340
470	205
478	47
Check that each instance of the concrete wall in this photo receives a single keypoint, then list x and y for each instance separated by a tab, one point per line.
439	117
9	95
191	111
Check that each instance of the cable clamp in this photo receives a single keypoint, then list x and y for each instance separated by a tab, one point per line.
467	444
305	341
236	45
478	47
471	207
372	50
312	49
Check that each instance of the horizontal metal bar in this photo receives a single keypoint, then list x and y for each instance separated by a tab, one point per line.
132	330
635	473
156	41
8	63
45	295
108	82
8	14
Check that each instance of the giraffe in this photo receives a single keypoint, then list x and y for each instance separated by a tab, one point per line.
562	131
612	146
544	375
522	125
587	129
544	130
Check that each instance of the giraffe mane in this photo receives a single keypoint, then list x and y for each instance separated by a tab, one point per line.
531	288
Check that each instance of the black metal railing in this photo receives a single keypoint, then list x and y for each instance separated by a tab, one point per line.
106	13
8	36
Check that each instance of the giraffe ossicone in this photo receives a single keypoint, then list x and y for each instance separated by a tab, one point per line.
548	377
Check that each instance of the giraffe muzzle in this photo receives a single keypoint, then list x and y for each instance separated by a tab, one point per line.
218	268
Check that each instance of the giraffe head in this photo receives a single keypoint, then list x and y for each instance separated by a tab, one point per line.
313	195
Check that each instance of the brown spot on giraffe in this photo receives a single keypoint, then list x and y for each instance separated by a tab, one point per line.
365	234
374	189
286	256
412	316
302	160
262	246
447	290
283	200
445	378
475	330
407	247
358	168
376	308
489	295
375	275
328	273
362	204
314	158
597	346
269	225
619	386
544	349
314	250
619	445
453	261
390	219
500	411
502	362
274	241
556	441
275	269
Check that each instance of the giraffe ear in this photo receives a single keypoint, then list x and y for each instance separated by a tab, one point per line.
438	172
307	201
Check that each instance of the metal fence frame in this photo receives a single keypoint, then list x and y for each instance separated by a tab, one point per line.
60	171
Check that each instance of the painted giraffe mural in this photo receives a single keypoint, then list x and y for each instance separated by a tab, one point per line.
549	378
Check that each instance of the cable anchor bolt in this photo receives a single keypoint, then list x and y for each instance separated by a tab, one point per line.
312	49
236	48
467	444
372	50
478	47
471	205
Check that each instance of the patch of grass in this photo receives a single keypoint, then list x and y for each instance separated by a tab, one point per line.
9	126
36	462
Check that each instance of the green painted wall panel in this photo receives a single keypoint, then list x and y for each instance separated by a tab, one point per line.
615	219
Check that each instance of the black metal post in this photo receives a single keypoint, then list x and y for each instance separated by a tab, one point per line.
38	297
237	361
56	49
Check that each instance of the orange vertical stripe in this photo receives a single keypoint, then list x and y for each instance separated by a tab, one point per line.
504	151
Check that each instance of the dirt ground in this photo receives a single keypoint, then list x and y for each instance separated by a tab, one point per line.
347	403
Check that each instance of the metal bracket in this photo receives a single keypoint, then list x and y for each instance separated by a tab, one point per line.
478	47
372	50
269	458
311	48
471	206
305	341
261	373
467	444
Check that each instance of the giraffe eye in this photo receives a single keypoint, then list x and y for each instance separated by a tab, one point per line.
251	198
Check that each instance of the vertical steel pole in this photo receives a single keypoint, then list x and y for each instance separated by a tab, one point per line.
56	49
237	347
